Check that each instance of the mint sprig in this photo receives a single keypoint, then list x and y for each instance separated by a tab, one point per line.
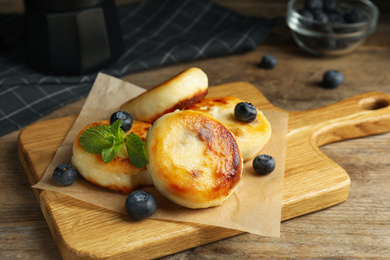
108	140
136	150
109	153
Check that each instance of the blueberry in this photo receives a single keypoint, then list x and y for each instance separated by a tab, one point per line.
313	4
336	18
326	28
330	5
268	62
64	174
329	44
140	204
245	112
355	16
306	13
127	119
263	164
332	79
320	16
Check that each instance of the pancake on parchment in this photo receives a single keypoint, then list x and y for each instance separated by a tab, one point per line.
178	92
117	175
194	160
251	137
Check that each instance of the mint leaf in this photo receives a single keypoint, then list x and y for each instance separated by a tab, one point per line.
136	150
96	138
117	130
118	135
108	140
104	139
109	153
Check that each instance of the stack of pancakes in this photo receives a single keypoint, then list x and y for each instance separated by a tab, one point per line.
195	145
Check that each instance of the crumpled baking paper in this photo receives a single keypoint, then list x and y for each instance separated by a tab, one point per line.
255	207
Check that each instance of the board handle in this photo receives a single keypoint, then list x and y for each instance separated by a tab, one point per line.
363	115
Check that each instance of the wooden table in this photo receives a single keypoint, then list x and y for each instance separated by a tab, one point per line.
357	228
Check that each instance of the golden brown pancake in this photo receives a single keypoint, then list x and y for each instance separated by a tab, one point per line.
117	175
194	160
251	137
178	92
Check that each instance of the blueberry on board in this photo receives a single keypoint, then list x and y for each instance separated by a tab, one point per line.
140	205
332	79
268	62
264	164
313	4
64	174
127	119
245	112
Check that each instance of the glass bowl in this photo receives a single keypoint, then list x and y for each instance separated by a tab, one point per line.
330	30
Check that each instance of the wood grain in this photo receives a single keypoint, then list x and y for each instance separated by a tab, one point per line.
312	180
358	228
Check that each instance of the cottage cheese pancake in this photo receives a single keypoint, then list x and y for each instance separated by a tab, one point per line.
177	93
194	160
117	175
251	137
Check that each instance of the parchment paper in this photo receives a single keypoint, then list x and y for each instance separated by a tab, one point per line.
255	207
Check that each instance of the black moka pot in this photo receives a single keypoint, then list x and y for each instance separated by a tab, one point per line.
72	37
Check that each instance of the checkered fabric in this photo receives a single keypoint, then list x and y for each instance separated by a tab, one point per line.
155	33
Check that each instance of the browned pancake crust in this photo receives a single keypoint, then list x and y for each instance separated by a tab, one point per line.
251	137
118	164
221	156
178	92
182	104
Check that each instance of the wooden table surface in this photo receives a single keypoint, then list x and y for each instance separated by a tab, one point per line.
358	228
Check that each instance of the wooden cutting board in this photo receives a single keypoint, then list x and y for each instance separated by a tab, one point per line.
312	180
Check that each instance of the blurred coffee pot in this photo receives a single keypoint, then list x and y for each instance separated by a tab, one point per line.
70	37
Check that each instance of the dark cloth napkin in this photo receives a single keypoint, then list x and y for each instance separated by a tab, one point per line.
155	33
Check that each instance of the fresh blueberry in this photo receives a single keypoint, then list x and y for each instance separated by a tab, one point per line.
355	16
127	119
64	174
336	18
313	4
140	204
332	79
329	44
306	13
326	28
264	164
268	62
245	112
320	16
330	5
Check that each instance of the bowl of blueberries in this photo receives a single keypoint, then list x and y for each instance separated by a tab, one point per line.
331	27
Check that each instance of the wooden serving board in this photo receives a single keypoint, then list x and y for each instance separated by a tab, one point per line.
312	180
